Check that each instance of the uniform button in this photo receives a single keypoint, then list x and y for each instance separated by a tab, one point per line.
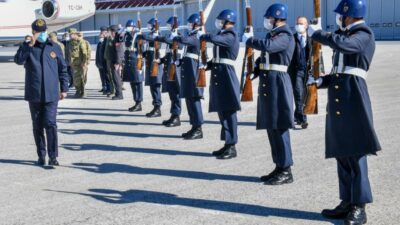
265	94
216	83
264	85
265	75
337	75
215	75
337	100
338	113
215	67
336	87
183	76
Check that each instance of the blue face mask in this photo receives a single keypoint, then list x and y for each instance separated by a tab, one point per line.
43	37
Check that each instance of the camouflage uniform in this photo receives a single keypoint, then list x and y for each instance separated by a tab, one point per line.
79	56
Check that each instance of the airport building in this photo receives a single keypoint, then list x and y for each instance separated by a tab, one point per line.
383	15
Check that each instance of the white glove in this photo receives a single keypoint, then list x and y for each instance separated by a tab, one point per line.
155	34
199	34
246	36
311	80
312	28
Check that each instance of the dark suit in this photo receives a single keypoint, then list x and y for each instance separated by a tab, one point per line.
298	69
102	65
45	75
350	134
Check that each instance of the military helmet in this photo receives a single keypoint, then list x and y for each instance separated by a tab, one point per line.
152	21
194	18
277	11
228	15
352	8
171	21
130	23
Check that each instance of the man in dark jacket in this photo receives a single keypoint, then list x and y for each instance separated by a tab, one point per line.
350	134
298	69
46	82
100	62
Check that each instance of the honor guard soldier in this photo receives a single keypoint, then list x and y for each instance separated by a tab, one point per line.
131	73
79	57
350	134
154	81
275	95
101	63
299	68
171	86
224	85
189	77
46	82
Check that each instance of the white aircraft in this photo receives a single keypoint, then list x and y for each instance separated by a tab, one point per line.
16	16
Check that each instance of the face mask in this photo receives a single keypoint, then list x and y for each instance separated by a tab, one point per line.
268	24
67	38
149	26
219	24
101	39
129	29
169	26
300	28
42	37
339	22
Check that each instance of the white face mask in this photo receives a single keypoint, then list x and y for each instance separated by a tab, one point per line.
190	26
129	29
268	24
149	26
339	21
300	28
169	26
219	24
101	39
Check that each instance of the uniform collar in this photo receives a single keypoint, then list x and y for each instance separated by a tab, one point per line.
351	26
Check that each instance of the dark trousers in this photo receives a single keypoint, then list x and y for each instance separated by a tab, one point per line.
137	91
281	148
44	119
228	120
299	94
354	184
71	77
195	111
176	106
116	76
105	83
155	91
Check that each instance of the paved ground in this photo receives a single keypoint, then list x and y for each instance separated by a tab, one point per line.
122	168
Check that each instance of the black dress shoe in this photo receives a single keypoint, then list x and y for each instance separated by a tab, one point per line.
41	162
136	108
219	152
270	175
229	153
156	112
194	134
53	162
280	178
340	212
173	122
117	98
304	125
356	216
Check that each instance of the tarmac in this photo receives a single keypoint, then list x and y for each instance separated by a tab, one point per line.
119	167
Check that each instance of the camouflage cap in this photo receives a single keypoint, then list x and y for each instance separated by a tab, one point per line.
39	25
72	30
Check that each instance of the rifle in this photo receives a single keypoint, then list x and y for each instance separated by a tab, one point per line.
247	87
172	67
139	63
201	82
154	66
311	105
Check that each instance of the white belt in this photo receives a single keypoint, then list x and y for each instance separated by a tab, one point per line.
224	61
274	67
192	56
352	71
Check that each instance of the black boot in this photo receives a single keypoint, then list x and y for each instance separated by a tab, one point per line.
41	162
136	108
282	176
229	153
174	121
219	152
156	112
53	162
270	175
195	133
356	216
304	125
340	212
187	133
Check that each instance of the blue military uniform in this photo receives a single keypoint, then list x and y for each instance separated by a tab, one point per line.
350	134
224	85
172	87
46	75
131	73
275	96
189	77
153	82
